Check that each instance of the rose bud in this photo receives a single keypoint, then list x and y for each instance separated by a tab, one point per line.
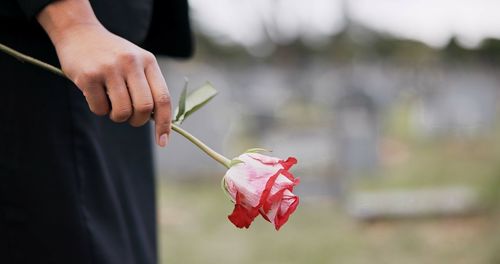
261	184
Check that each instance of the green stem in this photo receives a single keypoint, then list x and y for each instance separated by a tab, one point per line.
25	58
210	152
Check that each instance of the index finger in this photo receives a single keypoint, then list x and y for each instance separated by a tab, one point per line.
162	103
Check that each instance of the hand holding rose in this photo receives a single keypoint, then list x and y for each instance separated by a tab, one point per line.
256	183
116	76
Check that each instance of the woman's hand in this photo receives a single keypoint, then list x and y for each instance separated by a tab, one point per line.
116	77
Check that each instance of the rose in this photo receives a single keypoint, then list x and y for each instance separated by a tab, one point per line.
261	184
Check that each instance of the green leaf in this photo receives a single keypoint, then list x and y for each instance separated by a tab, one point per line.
181	108
234	162
257	150
195	101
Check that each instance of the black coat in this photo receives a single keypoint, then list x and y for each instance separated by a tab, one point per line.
161	26
74	187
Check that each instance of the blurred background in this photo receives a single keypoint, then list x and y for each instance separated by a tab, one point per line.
390	106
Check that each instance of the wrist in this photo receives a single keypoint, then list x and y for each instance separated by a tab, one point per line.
63	17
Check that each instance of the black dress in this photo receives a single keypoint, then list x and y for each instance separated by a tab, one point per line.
74	187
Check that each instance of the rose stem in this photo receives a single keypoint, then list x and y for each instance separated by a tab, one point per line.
210	152
25	58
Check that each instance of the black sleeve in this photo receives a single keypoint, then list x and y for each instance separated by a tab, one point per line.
170	31
32	7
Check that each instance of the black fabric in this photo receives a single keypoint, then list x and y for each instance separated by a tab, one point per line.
179	42
12	10
162	25
32	7
129	19
74	187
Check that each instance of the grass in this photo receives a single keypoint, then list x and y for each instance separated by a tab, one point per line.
440	163
194	229
412	161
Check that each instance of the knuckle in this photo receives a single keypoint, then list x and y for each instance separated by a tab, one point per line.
121	114
90	75
144	108
86	88
163	99
80	84
128	58
100	111
87	77
149	58
107	68
164	125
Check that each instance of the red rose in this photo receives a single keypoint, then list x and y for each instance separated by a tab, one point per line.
261	184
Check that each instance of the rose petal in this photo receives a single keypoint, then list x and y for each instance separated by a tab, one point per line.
249	178
281	210
266	160
287	164
283	182
267	190
241	215
287	207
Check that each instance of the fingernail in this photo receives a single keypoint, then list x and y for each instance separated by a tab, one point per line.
163	140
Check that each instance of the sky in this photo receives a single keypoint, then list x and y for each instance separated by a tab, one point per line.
434	22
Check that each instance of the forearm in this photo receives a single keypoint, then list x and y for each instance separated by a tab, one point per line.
64	15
